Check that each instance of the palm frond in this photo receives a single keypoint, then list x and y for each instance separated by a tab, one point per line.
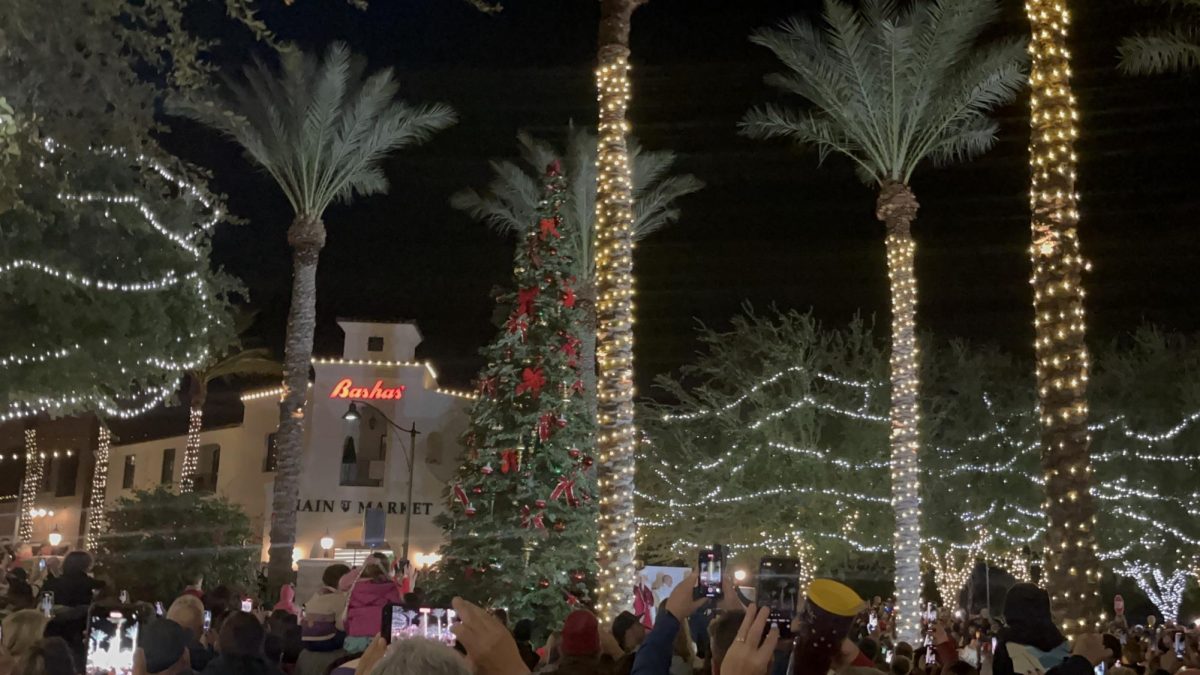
1172	50
511	199
890	87
318	126
242	362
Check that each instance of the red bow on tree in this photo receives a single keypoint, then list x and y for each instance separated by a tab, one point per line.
565	487
461	495
571	346
549	228
547	424
568	298
532	381
577	387
531	520
525	298
510	460
486	386
518	323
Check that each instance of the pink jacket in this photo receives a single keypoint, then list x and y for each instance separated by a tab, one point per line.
365	609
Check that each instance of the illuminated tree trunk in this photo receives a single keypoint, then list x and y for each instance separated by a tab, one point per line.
897	207
616	433
306	237
97	521
191	452
1073	571
34	466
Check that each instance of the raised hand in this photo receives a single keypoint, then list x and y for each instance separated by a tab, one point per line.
751	653
490	647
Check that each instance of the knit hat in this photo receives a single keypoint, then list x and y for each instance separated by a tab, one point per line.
163	642
580	634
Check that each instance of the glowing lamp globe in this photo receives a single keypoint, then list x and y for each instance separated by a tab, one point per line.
739	575
326	542
55	537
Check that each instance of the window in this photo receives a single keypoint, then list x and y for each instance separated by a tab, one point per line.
374	344
208	468
168	466
127	476
349	462
364	450
272	452
48	467
68	473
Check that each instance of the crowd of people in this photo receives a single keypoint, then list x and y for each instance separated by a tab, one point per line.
339	631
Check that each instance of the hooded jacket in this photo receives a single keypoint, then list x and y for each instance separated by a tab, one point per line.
364	611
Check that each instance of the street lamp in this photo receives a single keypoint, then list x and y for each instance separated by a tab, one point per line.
55	537
326	542
352	415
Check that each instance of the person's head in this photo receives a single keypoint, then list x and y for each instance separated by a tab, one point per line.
900	665
1028	619
54	565
372	571
581	634
280	619
904	649
165	647
333	574
523	631
868	647
188	611
23	630
412	600
379	559
1115	648
628	631
77	562
1121	670
722	631
242	635
220	600
49	656
419	656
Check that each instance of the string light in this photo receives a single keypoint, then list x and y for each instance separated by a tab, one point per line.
191	452
616	432
35	465
97	519
51	355
1165	592
1073	574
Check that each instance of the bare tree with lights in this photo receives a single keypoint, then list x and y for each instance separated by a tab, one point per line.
891	89
321	130
1072	569
616	437
511	201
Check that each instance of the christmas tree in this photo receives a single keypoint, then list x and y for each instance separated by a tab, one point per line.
521	529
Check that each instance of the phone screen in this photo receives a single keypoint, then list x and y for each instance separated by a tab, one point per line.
112	638
207	620
48	603
1179	645
1099	669
779	588
397	622
711	565
247	605
42	564
873	621
930	655
158	608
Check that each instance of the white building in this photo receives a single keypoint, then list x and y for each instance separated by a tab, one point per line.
348	465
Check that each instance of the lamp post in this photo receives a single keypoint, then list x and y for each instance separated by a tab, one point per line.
351	415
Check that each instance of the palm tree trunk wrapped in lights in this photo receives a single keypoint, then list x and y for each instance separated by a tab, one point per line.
97	522
191	450
34	466
616	433
1073	570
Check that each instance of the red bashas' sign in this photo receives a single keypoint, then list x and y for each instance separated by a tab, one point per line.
376	392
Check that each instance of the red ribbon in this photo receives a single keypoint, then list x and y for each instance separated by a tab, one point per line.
565	487
525	298
547	424
510	460
532	381
549	228
571	346
531	520
518	323
461	495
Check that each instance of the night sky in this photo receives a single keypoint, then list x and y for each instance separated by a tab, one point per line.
771	227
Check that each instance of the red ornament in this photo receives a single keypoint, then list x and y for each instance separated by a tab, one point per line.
477	490
577	576
574	453
486	469
568	298
547	424
541	503
560	526
510	460
548	227
571	346
532	381
470	511
588	461
543	583
554	168
572	600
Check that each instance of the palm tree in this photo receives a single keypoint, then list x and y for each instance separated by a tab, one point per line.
616	437
1072	569
233	364
891	89
321	130
1173	48
511	200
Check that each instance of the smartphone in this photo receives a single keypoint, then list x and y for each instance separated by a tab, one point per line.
930	655
158	608
779	588
112	639
247	605
207	620
711	564
1179	647
47	603
124	597
1099	669
41	564
993	645
873	622
887	655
